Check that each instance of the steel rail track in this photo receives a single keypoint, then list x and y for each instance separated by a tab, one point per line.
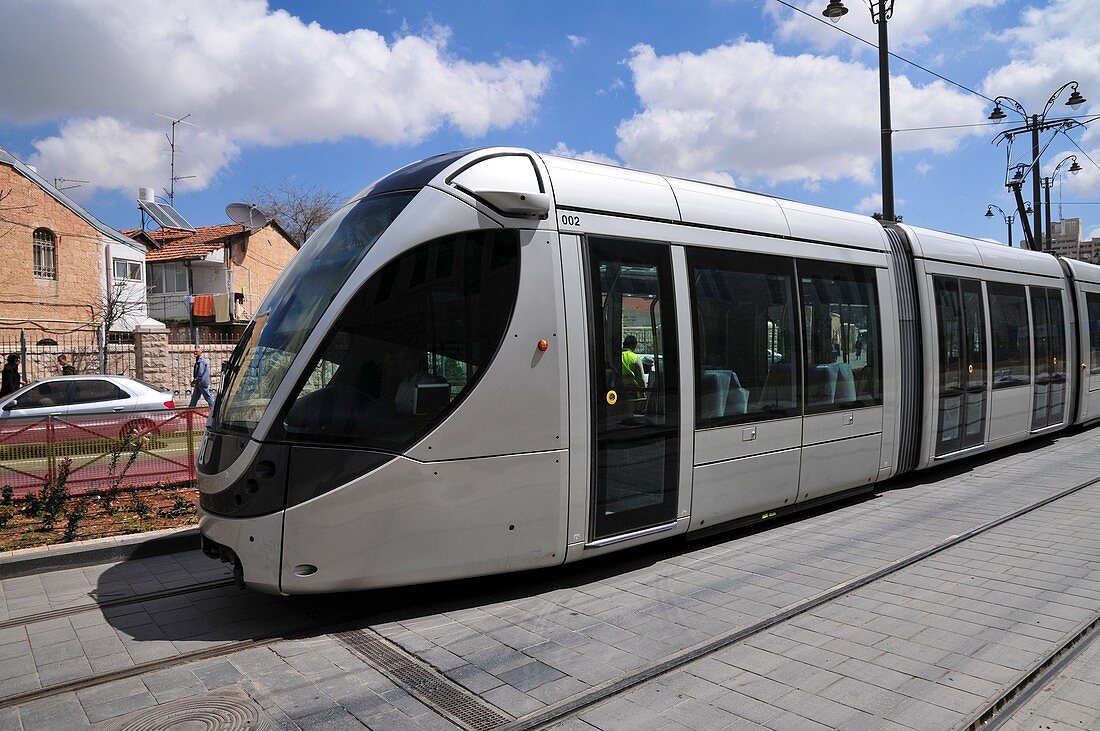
1013	697
119	602
570	707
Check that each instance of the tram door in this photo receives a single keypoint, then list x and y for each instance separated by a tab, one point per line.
1050	357
635	381
960	318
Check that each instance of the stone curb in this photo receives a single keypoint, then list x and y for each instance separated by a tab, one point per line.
55	557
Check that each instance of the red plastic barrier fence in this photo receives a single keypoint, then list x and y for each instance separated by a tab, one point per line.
135	449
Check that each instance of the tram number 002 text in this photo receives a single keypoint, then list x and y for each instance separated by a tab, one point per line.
569	220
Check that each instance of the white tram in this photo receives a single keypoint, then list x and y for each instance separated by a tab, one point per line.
497	360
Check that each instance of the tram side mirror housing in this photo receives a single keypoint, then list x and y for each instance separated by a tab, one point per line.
516	203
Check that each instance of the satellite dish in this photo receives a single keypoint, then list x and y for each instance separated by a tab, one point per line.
247	215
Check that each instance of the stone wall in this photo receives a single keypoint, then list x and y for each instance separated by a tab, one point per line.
79	256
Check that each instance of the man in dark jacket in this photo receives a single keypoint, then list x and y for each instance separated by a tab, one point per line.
64	367
200	380
11	381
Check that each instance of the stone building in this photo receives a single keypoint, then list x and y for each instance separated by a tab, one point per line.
1066	240
60	263
213	278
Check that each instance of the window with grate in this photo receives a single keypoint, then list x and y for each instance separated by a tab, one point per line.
45	254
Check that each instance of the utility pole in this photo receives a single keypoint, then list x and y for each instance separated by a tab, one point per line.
881	12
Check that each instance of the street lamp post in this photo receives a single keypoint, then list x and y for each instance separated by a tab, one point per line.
1035	123
881	12
1008	219
1049	182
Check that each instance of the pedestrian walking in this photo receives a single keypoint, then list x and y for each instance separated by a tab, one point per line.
11	381
64	368
200	380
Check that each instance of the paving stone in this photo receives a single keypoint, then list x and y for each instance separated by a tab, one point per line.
63	671
118	707
530	676
56	712
512	701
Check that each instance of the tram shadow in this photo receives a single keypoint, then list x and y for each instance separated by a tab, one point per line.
226	613
957	468
194	620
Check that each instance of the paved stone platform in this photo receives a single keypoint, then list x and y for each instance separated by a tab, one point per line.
922	649
1071	701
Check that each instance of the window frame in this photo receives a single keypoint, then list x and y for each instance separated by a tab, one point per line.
369	441
163	268
991	291
44	247
130	265
75	387
732	260
870	273
1091	299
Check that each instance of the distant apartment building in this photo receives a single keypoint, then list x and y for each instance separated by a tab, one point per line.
61	265
210	281
1066	240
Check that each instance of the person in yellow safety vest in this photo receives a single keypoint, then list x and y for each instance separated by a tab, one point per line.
633	379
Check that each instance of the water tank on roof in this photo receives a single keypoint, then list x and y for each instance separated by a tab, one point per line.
147	195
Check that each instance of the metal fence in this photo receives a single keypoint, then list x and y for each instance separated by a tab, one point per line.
181	364
137	449
83	348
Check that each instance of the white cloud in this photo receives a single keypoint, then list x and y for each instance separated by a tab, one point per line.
576	41
743	110
615	86
115	154
1053	45
563	150
923	168
870	204
246	74
873	203
912	25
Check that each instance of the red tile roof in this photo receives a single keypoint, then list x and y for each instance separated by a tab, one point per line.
177	245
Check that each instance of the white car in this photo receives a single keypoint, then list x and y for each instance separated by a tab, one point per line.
75	397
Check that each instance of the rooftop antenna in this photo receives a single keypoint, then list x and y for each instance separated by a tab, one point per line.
63	184
172	146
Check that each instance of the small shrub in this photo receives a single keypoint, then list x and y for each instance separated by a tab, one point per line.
72	524
54	495
32	505
7	495
180	506
6	514
109	500
138	506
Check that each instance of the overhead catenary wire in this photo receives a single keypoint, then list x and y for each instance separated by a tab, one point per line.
964	87
1081	150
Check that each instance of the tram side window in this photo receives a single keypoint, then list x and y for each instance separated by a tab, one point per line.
410	344
842	341
746	345
1011	335
1092	301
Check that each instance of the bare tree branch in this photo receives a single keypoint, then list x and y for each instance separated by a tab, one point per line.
115	304
298	209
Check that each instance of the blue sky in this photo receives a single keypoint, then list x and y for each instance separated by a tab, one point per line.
335	94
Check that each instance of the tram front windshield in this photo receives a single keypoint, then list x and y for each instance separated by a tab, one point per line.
295	306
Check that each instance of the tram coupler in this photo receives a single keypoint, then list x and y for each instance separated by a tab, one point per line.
225	554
